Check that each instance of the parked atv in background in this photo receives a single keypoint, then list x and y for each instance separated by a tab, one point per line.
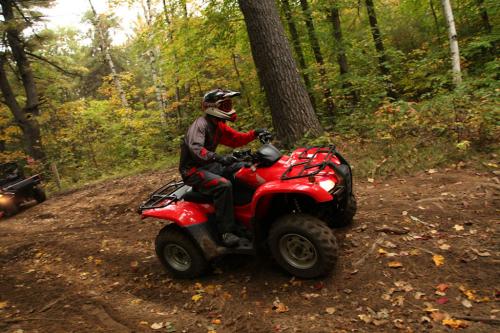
15	189
287	204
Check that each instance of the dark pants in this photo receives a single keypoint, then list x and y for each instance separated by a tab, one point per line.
214	180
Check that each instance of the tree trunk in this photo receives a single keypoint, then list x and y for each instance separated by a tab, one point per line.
484	16
170	37
153	62
242	84
436	22
379	46
29	126
452	35
313	39
292	111
19	54
334	17
107	56
298	48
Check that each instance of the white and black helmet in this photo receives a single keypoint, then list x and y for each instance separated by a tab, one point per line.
218	103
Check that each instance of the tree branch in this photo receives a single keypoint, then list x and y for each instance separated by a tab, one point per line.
53	64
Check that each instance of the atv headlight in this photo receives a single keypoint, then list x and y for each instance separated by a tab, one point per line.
327	185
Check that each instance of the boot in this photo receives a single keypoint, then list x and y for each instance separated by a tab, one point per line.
229	239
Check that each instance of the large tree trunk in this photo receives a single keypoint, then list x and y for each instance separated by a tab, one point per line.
29	126
298	48
452	35
313	39
484	16
292	112
379	46
334	17
107	56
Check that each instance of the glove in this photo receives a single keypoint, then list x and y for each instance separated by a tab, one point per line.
225	160
259	131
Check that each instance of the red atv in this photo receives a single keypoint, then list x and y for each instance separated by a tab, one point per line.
289	203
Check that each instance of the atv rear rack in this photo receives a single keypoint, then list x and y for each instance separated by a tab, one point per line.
308	156
162	197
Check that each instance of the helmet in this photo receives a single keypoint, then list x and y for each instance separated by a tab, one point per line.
218	103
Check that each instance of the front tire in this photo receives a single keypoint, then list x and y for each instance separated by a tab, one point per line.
179	255
39	195
346	216
10	209
303	245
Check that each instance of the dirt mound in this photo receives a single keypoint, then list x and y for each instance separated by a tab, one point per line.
422	256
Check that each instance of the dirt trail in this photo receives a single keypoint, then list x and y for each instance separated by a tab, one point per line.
84	262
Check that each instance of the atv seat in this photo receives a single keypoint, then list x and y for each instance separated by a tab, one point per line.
194	196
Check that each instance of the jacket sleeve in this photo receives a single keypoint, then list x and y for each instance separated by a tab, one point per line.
232	138
195	140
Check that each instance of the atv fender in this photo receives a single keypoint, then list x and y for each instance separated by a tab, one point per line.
183	213
191	218
296	186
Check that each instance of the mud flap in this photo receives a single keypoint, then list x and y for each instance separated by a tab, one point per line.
202	234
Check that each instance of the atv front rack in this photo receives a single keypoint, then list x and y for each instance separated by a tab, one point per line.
162	197
309	168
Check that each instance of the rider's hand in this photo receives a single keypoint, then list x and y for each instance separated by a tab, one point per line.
226	159
259	131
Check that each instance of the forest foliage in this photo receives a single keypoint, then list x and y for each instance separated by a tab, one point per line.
181	49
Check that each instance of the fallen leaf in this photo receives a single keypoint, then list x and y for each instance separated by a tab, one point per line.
280	308
444	247
442	300
431	171
442	287
3	305
419	295
394	264
382	251
399	323
398	301
439	316
403	285
481	254
330	310
196	297
438	260
458	227
415	252
469	293
136	301
156	326
370	180
366	318
455	323
466	303
216	321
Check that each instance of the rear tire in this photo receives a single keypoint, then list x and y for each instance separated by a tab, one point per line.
39	195
303	245
179	255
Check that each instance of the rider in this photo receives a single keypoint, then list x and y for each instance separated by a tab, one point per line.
205	170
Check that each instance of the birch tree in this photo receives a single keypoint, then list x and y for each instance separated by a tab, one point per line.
98	25
452	35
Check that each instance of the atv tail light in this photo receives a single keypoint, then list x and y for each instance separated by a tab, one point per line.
327	185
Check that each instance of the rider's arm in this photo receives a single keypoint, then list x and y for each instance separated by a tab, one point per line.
195	140
232	138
